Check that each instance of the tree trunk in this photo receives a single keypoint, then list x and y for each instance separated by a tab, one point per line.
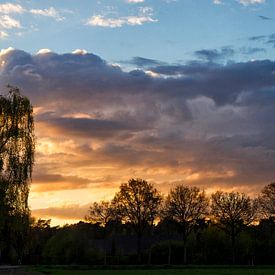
233	247
150	256
139	247
169	253
184	238
184	253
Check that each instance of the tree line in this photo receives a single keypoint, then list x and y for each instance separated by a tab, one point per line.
140	205
139	225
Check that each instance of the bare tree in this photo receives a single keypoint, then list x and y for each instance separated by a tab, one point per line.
267	200
137	202
186	205
100	212
232	212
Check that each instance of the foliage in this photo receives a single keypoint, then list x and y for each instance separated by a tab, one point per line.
137	203
186	205
101	212
267	200
16	163
232	212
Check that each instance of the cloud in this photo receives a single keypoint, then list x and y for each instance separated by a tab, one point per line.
265	17
134	1
142	62
3	35
88	127
8	22
266	39
41	182
50	12
271	40
66	212
44	51
243	2
251	50
257	38
101	21
250	2
98	125
80	51
214	54
145	15
8	8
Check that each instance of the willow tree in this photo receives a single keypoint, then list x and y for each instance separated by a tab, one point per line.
16	163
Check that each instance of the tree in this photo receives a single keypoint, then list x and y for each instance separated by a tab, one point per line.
187	206
16	163
232	212
137	203
267	200
101	213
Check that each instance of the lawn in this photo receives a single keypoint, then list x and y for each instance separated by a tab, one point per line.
185	271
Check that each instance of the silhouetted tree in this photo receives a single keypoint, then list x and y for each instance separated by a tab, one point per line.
232	212
137	203
16	162
267	200
100	212
187	206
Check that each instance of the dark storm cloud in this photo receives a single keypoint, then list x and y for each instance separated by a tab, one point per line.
86	127
208	118
42	182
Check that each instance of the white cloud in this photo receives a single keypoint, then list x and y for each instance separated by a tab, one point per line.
11	8
250	2
217	2
3	35
139	20
8	22
44	51
101	21
134	1
144	16
50	12
3	52
79	52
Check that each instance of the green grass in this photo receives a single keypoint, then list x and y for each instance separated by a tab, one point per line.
185	271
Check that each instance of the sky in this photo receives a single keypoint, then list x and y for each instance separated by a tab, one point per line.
171	91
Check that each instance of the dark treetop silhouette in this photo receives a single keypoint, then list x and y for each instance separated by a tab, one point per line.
186	205
233	211
137	202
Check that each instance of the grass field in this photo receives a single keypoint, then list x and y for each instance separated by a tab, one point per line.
185	271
